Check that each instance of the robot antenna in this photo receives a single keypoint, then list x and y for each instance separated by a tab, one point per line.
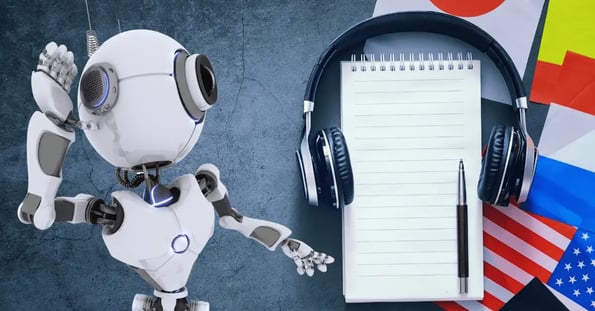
92	41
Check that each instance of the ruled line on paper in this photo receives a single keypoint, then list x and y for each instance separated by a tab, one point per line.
407	160
406	183
395	136
410	91
404	171
400	263
408	148
412	205
410	103
401	251
408	80
406	194
386	275
408	126
407	236
407	114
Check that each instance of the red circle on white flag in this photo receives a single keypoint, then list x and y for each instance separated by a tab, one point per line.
467	8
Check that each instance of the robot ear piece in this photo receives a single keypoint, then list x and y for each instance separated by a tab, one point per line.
196	83
99	88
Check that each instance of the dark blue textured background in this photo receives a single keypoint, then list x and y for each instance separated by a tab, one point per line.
262	52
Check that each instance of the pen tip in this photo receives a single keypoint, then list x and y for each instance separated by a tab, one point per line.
461	166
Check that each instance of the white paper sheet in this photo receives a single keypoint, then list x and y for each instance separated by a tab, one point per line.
407	131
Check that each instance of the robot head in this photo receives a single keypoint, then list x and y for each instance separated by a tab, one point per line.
146	98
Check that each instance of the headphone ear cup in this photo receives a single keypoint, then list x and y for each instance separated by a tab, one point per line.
323	174
344	173
333	168
493	166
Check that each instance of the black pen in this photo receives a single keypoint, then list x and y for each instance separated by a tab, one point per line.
462	235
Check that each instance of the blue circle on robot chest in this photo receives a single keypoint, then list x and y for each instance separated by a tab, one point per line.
180	243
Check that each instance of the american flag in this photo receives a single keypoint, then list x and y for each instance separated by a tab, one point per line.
520	246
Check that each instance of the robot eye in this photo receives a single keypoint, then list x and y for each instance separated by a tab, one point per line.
208	81
196	83
94	88
99	88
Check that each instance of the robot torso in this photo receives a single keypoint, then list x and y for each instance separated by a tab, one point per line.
162	243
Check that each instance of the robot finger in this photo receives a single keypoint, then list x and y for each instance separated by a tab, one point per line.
73	71
310	271
304	266
56	61
308	266
43	63
61	52
51	50
321	267
63	75
70	74
324	258
329	260
69	58
317	258
54	68
301	270
320	258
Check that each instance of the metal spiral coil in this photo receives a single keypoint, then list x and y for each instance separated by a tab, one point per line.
92	42
412	62
136	181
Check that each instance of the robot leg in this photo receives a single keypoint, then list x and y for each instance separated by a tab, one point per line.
168	302
142	303
199	305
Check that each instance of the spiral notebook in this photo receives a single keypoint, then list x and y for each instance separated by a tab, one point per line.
408	120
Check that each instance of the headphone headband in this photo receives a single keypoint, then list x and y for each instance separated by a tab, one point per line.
496	186
434	22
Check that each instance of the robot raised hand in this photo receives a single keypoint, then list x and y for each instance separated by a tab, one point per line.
142	104
51	81
48	137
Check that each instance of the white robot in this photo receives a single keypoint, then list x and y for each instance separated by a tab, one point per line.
142	101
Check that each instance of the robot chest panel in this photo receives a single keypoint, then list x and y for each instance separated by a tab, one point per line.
151	236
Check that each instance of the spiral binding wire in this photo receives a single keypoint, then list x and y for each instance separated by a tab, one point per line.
421	62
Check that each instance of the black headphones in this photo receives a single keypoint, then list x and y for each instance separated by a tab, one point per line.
510	157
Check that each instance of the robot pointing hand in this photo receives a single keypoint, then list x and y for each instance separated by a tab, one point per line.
142	102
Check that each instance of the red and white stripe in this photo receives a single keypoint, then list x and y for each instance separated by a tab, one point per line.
518	246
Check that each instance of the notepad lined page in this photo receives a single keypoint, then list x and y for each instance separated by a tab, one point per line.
406	131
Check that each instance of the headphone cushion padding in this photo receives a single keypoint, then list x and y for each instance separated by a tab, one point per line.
342	164
492	164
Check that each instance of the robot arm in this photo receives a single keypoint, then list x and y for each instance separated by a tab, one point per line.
85	208
269	234
48	137
88	209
